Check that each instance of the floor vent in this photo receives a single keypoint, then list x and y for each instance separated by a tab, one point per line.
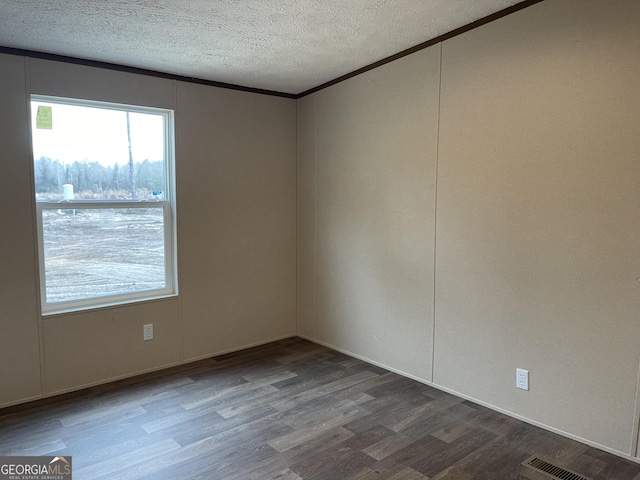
552	470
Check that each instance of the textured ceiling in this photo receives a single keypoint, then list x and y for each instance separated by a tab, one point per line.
283	45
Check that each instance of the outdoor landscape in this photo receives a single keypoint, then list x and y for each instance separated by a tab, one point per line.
93	180
93	252
97	252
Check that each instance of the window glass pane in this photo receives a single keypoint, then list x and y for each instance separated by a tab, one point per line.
92	153
97	252
98	167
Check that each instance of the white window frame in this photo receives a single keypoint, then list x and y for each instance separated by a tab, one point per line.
167	204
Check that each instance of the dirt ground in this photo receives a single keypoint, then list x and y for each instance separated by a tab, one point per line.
96	252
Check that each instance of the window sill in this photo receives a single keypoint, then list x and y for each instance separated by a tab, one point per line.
107	306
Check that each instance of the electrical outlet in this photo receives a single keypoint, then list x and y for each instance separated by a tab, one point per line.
147	332
522	379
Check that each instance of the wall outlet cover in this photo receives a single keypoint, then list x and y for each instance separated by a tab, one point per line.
522	379
147	332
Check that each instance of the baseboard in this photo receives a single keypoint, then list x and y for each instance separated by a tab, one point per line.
495	408
237	349
80	389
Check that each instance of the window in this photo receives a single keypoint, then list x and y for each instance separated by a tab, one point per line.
104	202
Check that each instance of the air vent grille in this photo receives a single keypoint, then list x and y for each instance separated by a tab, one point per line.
552	470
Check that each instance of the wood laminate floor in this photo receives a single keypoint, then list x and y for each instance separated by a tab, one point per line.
289	410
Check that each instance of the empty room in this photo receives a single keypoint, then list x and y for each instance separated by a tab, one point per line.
320	240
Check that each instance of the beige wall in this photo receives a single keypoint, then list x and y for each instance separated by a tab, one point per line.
538	216
370	144
235	163
306	201
19	337
237	217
